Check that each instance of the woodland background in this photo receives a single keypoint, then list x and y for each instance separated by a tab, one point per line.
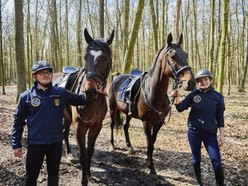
215	35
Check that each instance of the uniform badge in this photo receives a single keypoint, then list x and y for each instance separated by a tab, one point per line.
35	102
197	99
56	102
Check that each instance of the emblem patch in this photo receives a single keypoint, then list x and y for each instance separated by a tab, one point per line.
56	102
197	99
35	102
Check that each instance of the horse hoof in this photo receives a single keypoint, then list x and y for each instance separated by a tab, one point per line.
131	151
84	183
153	175
88	173
111	148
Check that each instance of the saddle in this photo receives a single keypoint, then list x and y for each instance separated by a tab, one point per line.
130	88
69	78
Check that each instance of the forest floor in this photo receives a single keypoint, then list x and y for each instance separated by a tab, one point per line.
172	157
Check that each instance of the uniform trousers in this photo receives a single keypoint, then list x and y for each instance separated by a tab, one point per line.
34	161
210	142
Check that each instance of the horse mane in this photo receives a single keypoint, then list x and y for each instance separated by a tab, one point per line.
154	61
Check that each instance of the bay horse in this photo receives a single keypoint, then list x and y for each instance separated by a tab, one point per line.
88	119
152	103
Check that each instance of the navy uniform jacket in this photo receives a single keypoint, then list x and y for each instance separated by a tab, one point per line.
207	110
43	112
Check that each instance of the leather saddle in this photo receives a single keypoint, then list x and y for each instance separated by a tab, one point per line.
130	88
68	78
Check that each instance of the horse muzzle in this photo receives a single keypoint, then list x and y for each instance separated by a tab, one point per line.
189	85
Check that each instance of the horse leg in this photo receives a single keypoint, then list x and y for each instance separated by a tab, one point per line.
113	114
92	136
67	126
156	128
150	148
81	131
126	128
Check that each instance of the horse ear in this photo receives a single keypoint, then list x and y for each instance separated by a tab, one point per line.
111	37
169	39
180	40
87	36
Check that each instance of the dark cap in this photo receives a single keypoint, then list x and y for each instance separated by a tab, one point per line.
41	65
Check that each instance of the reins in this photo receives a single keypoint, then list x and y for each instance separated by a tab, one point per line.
150	105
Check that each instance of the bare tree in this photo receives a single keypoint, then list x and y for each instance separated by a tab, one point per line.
2	78
19	47
222	58
211	53
28	35
101	18
179	2
126	9
244	74
134	34
154	27
79	35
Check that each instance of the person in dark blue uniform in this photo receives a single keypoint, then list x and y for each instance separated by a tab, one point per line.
42	109
205	118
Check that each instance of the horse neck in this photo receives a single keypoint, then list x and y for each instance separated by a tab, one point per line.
157	84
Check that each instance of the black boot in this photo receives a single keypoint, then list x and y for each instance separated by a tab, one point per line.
197	171
219	177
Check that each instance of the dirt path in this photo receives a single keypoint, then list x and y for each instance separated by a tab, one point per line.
171	156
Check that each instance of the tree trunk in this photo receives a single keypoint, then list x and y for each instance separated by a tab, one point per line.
197	59
134	34
101	18
126	9
243	79
1	53
154	27
28	46
179	2
19	47
211	54
222	58
67	34
79	36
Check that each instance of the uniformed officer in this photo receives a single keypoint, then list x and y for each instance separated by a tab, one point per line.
42	108
205	117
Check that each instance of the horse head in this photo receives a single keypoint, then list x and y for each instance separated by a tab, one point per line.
98	57
176	64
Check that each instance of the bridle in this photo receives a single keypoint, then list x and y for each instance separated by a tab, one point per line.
173	67
98	78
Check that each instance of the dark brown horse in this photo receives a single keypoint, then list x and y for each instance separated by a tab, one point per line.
152	102
88	119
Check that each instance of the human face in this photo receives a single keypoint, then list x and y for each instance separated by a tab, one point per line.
44	77
204	82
